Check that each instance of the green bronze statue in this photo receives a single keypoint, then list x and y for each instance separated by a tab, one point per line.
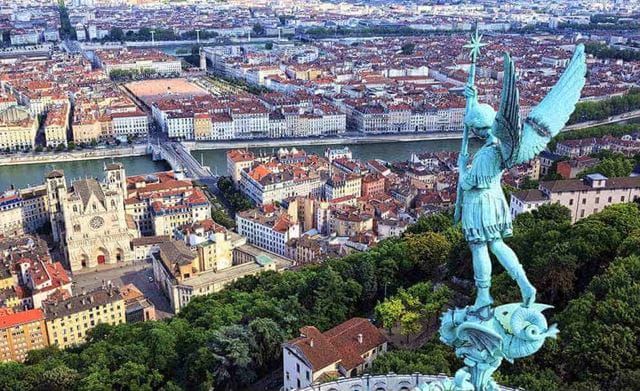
482	335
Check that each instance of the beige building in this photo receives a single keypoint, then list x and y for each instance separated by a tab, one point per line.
21	332
583	197
90	218
202	126
205	259
18	129
56	126
237	161
343	185
69	320
347	222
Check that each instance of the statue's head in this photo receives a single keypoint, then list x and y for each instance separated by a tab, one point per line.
480	119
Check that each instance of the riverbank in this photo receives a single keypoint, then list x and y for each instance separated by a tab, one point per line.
351	139
69	156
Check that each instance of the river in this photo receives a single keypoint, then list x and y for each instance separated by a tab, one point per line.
32	174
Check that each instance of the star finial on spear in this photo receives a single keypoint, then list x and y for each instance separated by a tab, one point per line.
475	45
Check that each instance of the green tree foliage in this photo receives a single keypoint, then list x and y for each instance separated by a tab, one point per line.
116	34
593	111
614	165
603	51
616	130
429	250
258	29
238	201
432	358
229	339
411	308
408	48
66	30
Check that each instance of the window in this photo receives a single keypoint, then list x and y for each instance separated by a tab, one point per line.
571	201
597	200
308	375
622	199
609	200
298	367
584	201
582	213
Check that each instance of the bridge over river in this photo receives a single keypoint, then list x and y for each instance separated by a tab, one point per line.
180	159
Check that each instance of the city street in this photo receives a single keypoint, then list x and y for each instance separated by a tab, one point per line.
137	274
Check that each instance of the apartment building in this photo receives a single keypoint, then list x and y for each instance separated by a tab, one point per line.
138	60
11	216
21	332
69	320
159	203
343	185
265	186
18	128
56	125
237	161
583	197
269	228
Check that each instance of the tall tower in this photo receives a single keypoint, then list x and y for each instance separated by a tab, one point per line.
56	193
116	179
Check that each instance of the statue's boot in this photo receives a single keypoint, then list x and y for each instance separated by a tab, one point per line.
527	290
483	295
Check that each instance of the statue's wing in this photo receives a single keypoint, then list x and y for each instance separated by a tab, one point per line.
507	127
551	115
480	336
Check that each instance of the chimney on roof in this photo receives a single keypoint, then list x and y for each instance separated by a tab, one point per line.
311	342
360	339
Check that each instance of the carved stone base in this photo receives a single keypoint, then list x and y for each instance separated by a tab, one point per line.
484	337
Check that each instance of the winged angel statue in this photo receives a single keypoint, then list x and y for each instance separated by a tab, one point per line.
481	335
481	205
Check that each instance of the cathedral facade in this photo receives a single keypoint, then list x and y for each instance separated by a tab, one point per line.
89	218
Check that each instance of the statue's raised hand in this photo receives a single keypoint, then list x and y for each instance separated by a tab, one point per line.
470	92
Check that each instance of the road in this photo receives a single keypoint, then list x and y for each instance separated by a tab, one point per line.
137	274
176	153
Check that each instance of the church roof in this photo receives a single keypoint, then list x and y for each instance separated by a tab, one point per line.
84	188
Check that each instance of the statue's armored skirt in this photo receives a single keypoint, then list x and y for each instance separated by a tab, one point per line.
485	212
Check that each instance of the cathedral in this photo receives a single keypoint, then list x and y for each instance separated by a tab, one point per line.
89	218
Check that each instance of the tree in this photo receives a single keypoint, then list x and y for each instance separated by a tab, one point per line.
389	313
437	222
408	48
433	357
265	337
410	323
116	34
429	250
258	29
615	166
